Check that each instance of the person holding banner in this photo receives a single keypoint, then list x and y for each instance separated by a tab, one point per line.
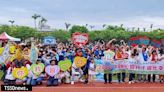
109	48
161	59
153	59
118	58
143	58
132	75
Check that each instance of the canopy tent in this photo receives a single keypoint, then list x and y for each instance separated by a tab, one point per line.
5	36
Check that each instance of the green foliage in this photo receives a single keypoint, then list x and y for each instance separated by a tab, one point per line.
22	32
77	28
110	32
61	35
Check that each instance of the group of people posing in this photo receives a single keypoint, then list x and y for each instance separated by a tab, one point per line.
52	54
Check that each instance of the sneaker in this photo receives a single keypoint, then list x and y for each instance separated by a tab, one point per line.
130	82
72	82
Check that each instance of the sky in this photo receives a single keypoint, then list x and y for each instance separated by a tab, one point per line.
131	13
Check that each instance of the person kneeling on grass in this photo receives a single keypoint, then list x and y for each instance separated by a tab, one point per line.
53	81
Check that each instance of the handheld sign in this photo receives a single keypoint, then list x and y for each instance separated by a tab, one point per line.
49	40
79	39
37	68
20	73
65	65
80	61
52	70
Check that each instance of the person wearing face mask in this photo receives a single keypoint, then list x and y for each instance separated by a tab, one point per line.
132	75
119	58
78	70
161	59
36	80
143	58
46	59
153	59
52	81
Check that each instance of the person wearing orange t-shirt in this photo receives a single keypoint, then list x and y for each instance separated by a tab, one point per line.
119	57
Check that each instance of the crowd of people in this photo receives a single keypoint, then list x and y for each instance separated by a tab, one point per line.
52	54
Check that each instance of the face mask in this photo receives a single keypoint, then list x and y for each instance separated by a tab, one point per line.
48	57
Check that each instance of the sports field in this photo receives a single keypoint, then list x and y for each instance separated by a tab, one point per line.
100	87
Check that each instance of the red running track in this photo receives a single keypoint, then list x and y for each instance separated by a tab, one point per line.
100	87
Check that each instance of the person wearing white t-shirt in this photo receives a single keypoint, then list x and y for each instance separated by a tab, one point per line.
92	71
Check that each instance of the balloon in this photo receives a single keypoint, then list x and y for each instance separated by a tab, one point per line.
80	61
52	70
65	65
20	73
37	68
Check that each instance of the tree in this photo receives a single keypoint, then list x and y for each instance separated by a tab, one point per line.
110	27
77	28
151	27
42	22
121	25
12	22
144	29
67	25
61	35
35	17
92	26
104	25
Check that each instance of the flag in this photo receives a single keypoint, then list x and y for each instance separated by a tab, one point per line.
5	53
33	53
